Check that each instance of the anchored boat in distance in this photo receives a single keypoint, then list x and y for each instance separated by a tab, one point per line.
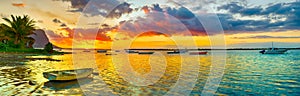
274	50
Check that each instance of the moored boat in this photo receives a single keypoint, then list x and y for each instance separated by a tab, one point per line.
67	75
110	54
175	52
198	53
146	52
131	51
181	51
101	51
86	51
274	50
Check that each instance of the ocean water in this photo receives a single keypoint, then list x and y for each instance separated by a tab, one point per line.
244	73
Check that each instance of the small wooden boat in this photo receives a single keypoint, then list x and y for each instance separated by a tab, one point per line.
67	75
146	52
67	84
198	53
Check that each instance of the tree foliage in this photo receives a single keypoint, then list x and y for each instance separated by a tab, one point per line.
48	48
17	29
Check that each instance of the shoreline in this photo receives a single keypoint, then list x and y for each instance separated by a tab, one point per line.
30	51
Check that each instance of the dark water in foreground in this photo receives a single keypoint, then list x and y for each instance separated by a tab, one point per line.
245	73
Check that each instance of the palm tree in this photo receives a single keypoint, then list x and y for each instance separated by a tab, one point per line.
19	28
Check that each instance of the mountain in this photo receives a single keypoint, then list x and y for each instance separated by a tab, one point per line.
41	38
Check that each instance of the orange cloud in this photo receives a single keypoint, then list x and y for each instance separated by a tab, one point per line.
18	4
153	33
83	37
146	9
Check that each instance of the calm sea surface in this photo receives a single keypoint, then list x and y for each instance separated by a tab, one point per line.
245	73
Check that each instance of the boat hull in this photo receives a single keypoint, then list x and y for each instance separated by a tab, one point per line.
279	51
101	51
175	52
146	52
198	53
130	51
67	75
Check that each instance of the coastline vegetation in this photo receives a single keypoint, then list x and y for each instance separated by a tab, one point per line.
14	36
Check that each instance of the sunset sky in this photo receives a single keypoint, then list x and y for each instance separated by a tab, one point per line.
162	23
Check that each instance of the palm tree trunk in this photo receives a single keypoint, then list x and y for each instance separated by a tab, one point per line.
16	40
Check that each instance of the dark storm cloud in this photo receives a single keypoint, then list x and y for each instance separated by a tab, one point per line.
106	8
267	37
276	9
181	13
289	12
235	7
176	21
79	3
156	7
121	9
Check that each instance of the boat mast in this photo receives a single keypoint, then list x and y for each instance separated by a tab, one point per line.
272	45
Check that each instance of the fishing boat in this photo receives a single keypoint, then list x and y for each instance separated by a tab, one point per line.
146	52
198	53
274	50
67	75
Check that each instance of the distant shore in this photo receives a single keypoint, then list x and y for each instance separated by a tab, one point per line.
148	49
30	51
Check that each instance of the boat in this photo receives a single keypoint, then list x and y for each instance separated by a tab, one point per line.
176	52
86	51
67	84
110	54
198	53
131	51
67	75
146	52
101	51
274	50
173	52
